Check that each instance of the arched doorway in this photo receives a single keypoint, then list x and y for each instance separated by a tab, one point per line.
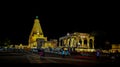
61	42
79	44
85	42
90	43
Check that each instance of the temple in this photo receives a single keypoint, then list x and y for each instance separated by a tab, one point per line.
77	41
36	38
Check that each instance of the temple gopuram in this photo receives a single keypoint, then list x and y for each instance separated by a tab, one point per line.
37	39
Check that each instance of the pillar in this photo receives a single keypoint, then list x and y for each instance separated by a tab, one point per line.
88	41
74	42
82	42
68	40
77	41
65	42
93	43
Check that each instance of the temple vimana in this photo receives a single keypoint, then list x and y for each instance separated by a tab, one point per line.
76	41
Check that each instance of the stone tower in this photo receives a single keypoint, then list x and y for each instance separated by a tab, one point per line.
36	35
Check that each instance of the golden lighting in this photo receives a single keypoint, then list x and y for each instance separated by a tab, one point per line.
36	33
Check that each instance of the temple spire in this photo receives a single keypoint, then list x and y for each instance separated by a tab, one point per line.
36	34
36	30
36	17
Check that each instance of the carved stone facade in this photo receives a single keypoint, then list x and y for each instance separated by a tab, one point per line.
115	47
36	38
78	40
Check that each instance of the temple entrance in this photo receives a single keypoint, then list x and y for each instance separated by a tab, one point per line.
85	43
40	42
90	43
80	43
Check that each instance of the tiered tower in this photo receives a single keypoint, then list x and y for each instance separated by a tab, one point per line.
36	35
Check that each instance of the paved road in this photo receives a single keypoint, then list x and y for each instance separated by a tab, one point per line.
69	61
13	58
31	58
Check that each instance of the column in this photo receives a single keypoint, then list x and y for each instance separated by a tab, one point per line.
82	42
77	39
74	42
88	43
93	43
70	42
67	41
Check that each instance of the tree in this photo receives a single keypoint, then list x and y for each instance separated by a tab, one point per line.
7	42
1	43
94	33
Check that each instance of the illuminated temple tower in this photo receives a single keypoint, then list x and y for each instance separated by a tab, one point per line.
36	38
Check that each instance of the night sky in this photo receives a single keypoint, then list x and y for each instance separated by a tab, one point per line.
16	24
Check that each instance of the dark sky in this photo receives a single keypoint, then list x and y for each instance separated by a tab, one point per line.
16	24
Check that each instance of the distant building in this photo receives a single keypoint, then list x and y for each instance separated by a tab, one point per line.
115	47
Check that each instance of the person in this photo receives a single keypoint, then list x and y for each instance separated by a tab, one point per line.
63	53
40	52
98	54
43	53
67	53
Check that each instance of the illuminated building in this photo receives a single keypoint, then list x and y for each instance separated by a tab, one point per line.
50	44
115	47
36	38
79	41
